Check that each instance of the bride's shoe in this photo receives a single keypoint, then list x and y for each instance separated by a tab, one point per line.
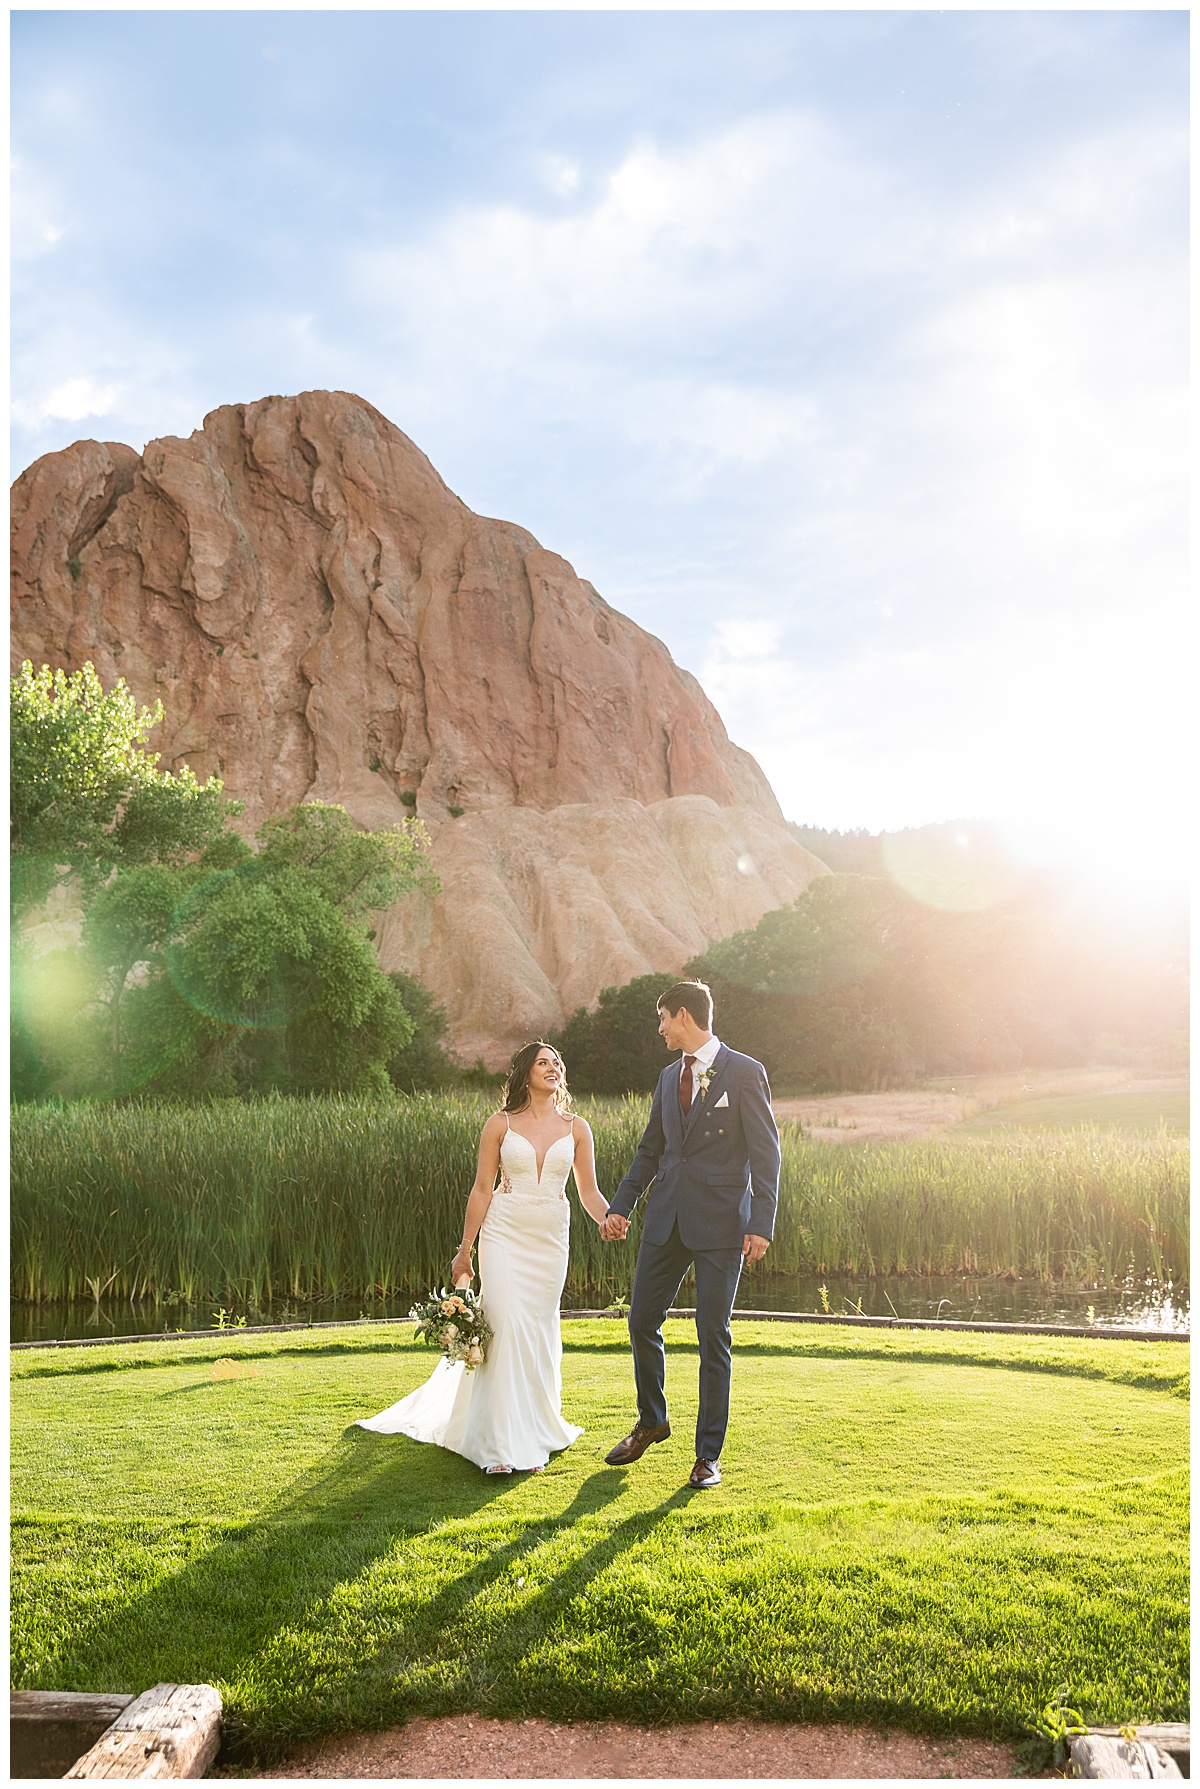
496	1471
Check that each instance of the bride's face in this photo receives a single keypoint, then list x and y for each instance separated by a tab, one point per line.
546	1074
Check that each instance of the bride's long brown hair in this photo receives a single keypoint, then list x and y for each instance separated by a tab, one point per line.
516	1087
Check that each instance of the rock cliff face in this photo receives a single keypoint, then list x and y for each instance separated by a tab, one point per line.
324	619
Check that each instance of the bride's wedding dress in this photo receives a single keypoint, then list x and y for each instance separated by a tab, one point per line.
508	1412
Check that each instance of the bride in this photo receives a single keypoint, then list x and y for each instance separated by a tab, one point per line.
507	1414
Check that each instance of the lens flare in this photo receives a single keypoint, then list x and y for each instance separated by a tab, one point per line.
51	994
960	870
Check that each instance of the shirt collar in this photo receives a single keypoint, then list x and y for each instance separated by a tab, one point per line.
706	1054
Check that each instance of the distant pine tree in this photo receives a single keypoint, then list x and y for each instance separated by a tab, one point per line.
854	853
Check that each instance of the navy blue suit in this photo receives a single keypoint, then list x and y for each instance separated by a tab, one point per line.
713	1177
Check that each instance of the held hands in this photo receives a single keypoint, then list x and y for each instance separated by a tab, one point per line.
615	1228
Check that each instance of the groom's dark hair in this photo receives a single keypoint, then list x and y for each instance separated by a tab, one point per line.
696	996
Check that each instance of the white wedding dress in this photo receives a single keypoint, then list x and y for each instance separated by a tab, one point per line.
508	1412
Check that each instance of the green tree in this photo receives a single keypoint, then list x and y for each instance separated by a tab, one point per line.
85	795
858	985
358	872
264	950
87	801
616	1048
856	853
256	975
424	1063
203	966
841	931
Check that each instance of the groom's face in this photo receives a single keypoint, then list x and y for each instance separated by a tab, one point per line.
672	1027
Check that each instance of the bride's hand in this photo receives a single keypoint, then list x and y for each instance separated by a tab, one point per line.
461	1267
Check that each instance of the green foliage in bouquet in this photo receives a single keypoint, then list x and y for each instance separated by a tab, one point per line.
455	1323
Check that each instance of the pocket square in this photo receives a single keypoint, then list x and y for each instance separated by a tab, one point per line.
723	1101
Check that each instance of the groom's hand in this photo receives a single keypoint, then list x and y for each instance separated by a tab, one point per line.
754	1248
614	1228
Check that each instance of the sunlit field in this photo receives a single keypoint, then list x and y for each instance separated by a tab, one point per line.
930	1532
1133	1113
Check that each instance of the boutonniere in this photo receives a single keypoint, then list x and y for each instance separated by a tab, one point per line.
703	1080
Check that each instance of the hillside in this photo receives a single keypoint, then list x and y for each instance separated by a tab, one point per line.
323	618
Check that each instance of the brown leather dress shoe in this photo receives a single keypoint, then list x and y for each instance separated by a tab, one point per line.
635	1444
705	1474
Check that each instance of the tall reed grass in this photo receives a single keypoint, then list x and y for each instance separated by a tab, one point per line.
1080	1206
328	1198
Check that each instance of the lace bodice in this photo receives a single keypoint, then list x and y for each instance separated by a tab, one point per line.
519	1169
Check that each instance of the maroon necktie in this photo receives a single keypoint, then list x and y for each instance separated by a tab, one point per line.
685	1084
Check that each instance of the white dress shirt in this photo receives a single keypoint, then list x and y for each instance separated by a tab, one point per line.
705	1056
703	1059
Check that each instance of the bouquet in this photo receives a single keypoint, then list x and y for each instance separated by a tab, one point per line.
455	1323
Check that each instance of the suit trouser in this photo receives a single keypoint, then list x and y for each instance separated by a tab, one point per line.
660	1271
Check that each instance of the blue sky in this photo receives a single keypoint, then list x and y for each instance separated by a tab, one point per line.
844	351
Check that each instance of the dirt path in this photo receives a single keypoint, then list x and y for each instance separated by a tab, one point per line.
918	1111
473	1746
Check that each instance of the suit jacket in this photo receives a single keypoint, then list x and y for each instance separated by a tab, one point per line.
716	1172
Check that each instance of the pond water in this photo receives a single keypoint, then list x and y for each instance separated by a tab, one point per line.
1137	1305
1144	1306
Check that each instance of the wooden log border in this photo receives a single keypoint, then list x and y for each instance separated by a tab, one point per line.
1095	1755
48	1729
172	1730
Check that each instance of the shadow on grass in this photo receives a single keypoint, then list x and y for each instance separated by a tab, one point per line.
251	1606
457	1649
218	1610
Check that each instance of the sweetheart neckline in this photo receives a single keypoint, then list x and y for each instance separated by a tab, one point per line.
567	1137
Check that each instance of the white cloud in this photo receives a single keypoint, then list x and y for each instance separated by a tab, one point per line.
926	394
70	402
38	210
747	638
702	424
1061	391
560	174
897	466
678	245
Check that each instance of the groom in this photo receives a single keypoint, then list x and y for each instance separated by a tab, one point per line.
711	1150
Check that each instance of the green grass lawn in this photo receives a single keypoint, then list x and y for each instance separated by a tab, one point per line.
934	1532
1140	1113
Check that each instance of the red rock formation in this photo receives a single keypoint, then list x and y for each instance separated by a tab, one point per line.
324	619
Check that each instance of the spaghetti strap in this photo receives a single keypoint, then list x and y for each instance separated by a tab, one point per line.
507	1125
